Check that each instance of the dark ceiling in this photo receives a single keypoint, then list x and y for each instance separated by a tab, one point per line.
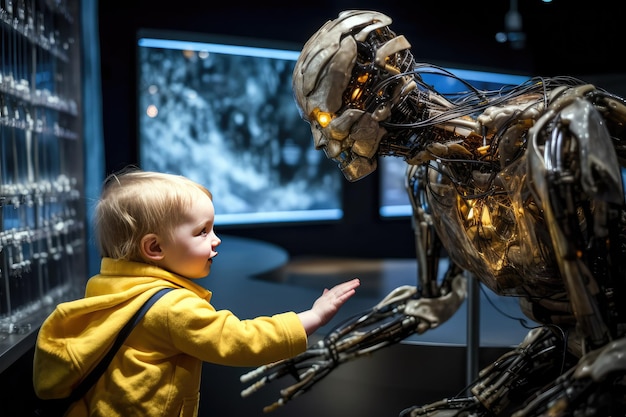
561	39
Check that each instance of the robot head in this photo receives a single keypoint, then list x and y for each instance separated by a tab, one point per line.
349	77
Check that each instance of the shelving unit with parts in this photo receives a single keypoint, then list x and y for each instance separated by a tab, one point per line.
42	210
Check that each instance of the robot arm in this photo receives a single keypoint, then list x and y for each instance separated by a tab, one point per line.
397	316
428	249
577	178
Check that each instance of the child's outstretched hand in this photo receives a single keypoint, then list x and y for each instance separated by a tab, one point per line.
327	305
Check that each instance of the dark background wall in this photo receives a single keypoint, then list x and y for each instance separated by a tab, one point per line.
560	39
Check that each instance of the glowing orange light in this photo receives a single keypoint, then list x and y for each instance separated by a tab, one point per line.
356	94
362	78
485	217
469	204
322	118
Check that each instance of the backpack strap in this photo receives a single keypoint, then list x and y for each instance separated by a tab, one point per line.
97	372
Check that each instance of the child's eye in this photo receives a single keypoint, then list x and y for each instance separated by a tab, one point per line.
203	232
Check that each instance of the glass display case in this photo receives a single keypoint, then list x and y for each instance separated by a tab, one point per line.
42	243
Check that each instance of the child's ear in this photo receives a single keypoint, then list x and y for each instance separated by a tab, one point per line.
151	248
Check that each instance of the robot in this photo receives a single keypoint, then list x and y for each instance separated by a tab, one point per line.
519	187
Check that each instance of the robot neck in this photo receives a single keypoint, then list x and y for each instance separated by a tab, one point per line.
422	121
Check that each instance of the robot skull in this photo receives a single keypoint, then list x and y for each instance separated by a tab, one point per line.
346	81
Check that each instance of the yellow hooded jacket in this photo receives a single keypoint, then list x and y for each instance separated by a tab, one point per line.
157	370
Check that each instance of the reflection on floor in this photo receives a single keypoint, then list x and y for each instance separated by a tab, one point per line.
378	276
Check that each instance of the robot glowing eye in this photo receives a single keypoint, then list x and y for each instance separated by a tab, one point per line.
322	118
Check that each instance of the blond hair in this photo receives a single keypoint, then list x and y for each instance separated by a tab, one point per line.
135	203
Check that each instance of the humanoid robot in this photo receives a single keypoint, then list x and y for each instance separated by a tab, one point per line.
520	187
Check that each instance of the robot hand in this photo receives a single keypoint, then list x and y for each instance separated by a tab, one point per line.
400	314
545	379
595	386
502	385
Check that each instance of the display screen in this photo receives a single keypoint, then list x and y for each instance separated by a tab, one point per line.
393	197
221	112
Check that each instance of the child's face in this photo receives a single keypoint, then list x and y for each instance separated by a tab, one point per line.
191	249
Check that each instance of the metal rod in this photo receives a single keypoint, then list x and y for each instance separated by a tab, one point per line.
473	329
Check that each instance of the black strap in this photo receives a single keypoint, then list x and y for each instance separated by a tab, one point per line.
97	372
